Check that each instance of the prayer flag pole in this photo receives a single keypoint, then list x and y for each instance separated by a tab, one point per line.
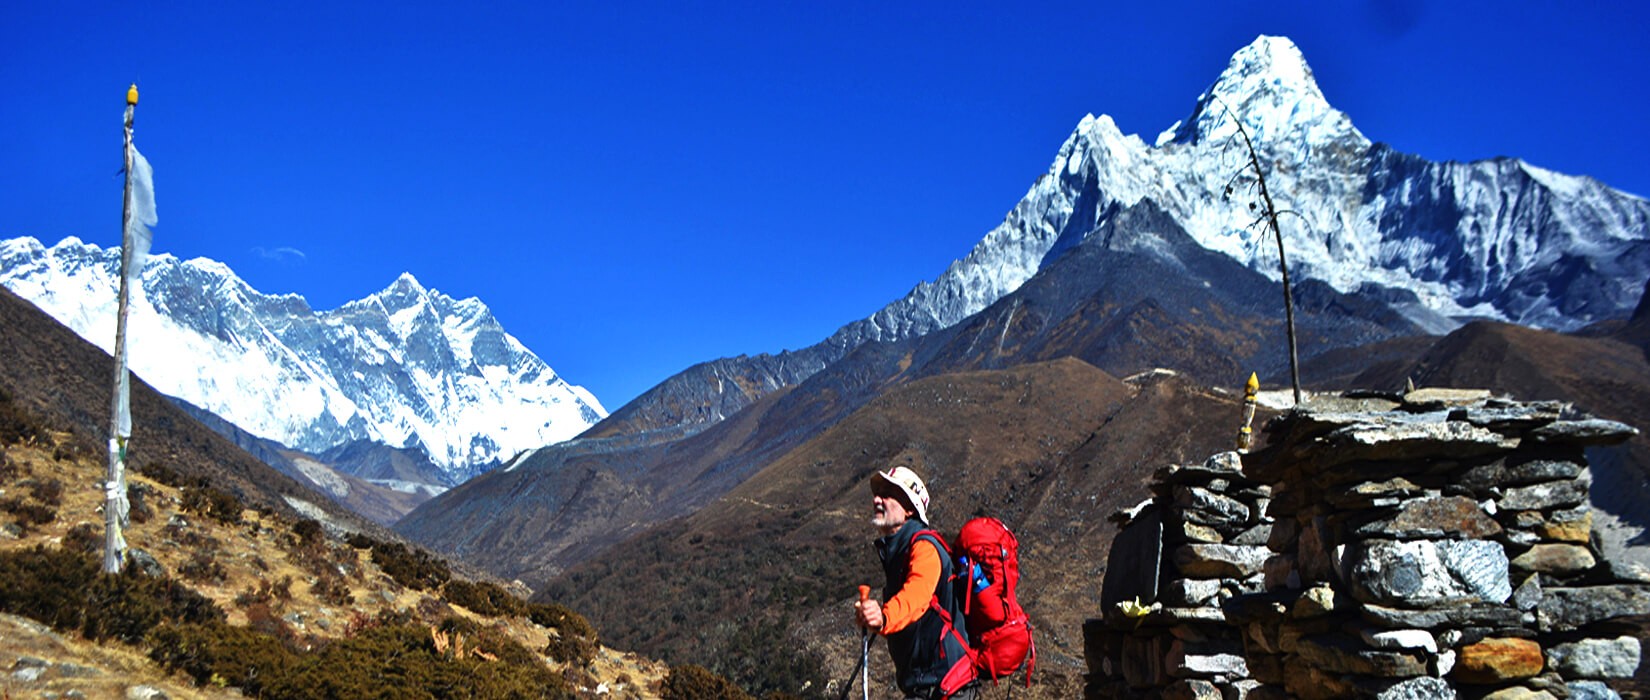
120	422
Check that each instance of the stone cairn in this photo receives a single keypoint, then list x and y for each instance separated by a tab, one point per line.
1436	544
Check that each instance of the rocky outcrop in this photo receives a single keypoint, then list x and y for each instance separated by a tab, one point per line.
1436	544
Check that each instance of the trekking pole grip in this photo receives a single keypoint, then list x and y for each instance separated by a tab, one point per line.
864	593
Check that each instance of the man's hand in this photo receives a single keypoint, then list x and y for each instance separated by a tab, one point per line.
868	614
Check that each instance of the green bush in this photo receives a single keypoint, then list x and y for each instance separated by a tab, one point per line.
746	656
203	567
483	598
402	662
162	473
218	653
690	682
17	425
48	492
560	618
27	514
186	632
68	591
413	568
394	661
571	649
85	538
308	532
204	500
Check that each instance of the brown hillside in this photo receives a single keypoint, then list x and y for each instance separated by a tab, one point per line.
1051	448
221	597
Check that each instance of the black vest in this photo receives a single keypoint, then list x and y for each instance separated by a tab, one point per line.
927	650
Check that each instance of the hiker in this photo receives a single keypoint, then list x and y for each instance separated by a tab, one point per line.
921	618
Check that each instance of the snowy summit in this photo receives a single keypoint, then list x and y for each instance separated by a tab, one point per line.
407	367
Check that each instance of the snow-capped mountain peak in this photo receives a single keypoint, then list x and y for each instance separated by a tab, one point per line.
1498	238
1271	86
408	366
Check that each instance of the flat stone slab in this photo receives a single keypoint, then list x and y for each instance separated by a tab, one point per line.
1454	517
1590	431
1187	660
1505	473
1204	507
1546	495
1416	438
1596	658
1564	609
1219	560
1339	654
1475	615
1434	399
1401	639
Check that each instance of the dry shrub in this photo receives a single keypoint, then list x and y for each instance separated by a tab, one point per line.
332	590
571	649
27	514
18	425
69	591
411	567
483	598
561	619
48	492
85	538
309	533
202	499
203	567
690	682
162	473
218	653
356	667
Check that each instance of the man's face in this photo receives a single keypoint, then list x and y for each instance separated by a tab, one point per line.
888	511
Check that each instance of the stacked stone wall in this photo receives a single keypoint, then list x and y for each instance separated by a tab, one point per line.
1432	545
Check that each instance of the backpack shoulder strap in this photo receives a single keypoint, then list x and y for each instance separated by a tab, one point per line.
933	535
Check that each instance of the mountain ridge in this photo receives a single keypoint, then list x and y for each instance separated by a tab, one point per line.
406	367
1446	242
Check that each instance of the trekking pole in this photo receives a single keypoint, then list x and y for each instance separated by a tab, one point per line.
864	656
865	649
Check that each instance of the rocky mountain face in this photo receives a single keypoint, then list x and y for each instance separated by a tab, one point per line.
408	368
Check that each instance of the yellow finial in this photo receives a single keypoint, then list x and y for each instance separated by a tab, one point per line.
131	94
1253	385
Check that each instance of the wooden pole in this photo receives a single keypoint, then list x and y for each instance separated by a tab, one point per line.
114	547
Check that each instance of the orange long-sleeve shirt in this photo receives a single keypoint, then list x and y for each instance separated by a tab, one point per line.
911	601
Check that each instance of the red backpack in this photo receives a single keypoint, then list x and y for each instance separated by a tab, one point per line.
989	557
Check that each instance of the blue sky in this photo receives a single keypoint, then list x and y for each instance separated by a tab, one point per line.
634	187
